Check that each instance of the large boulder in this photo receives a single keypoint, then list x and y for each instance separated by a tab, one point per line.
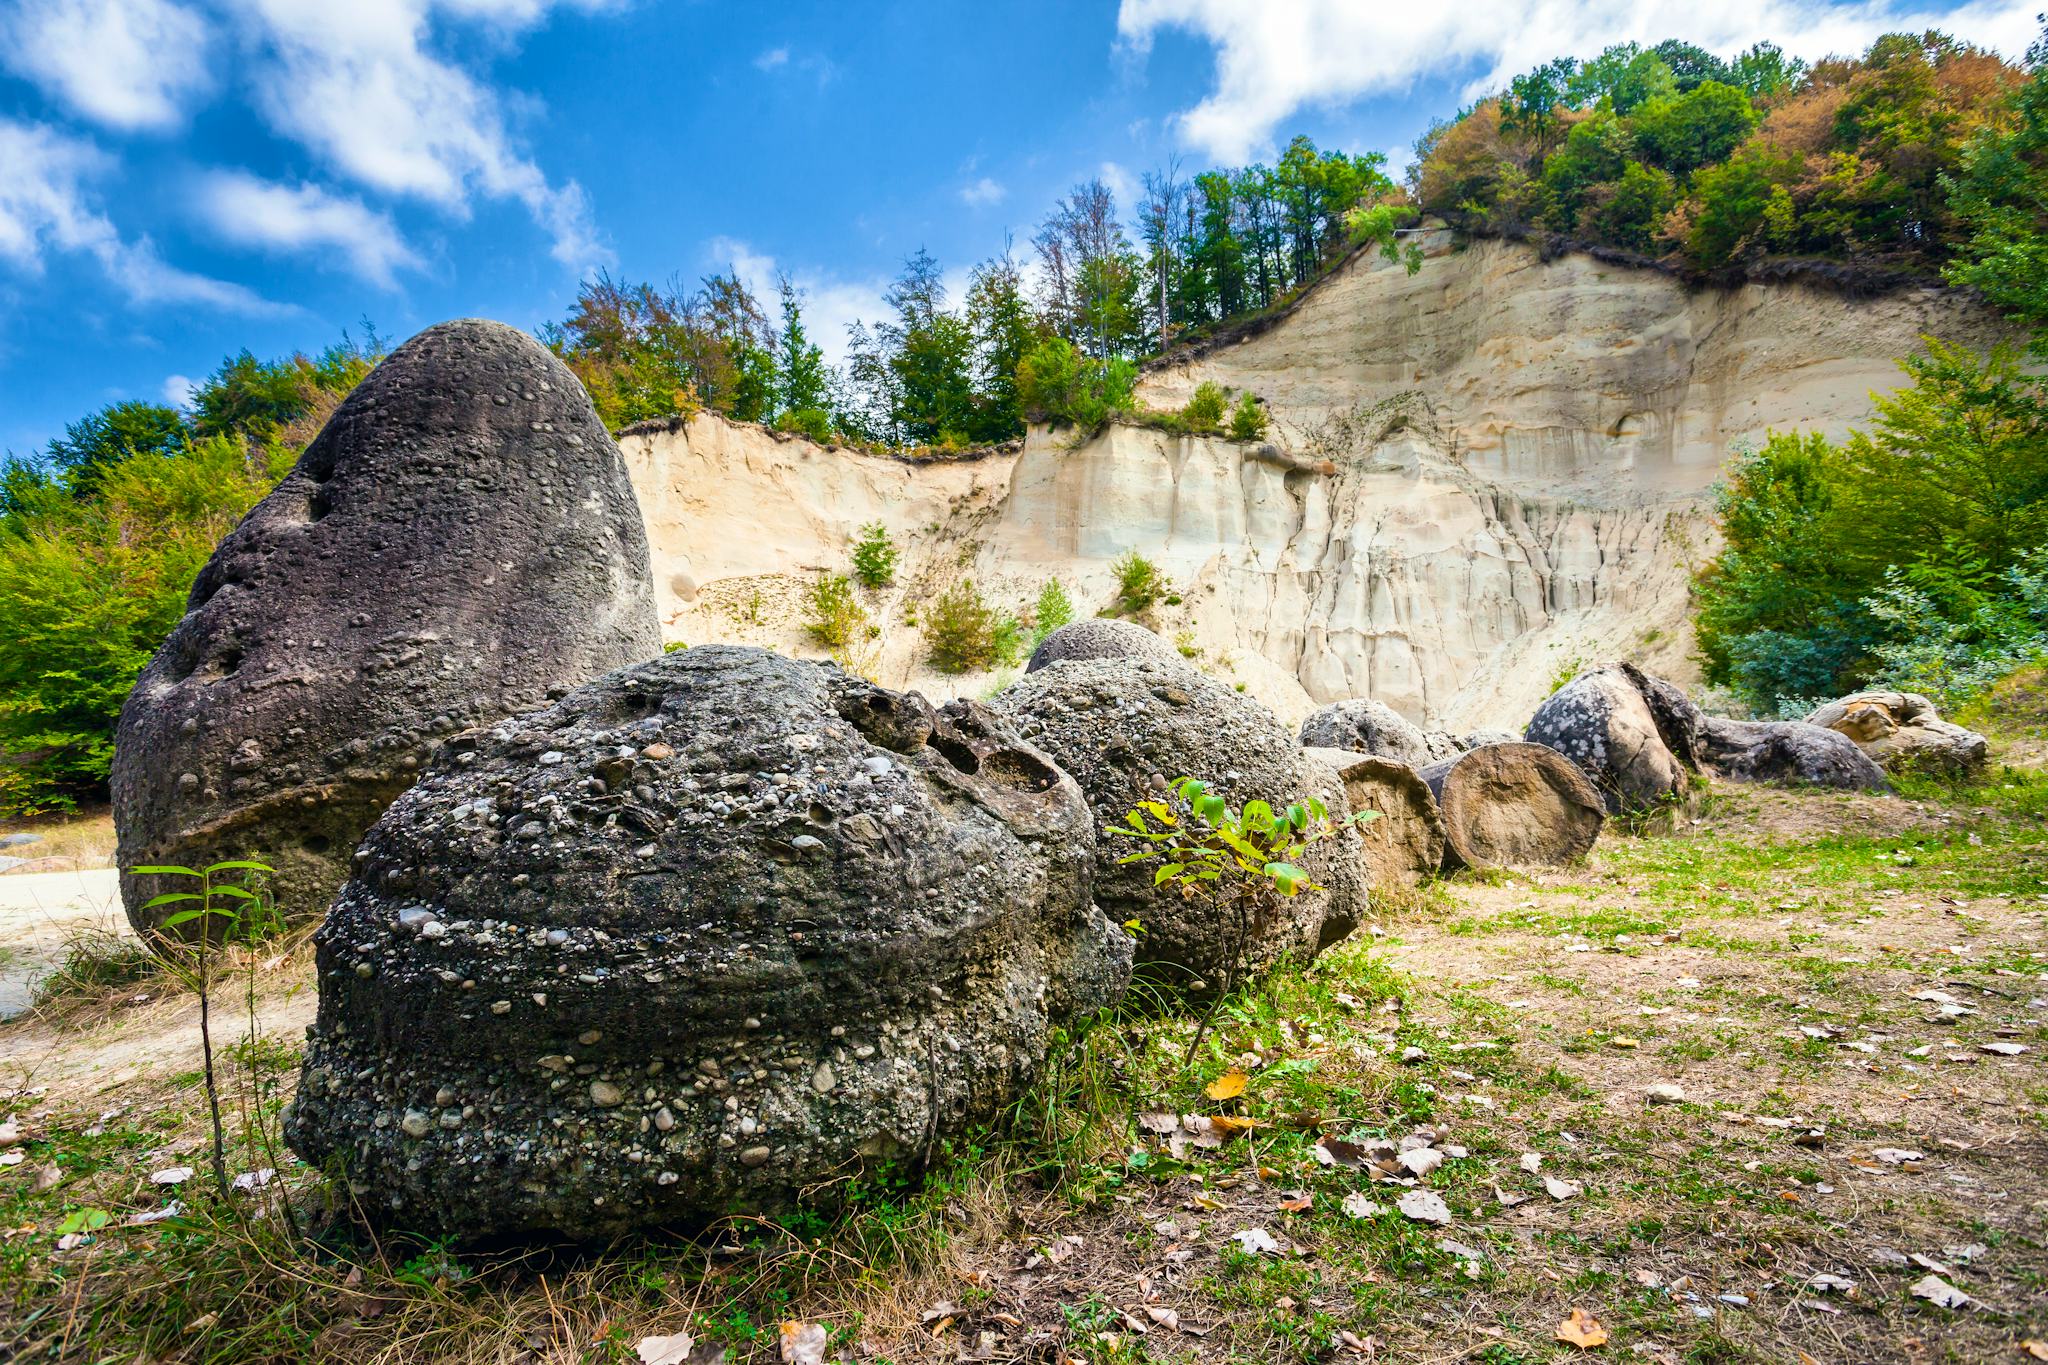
1100	637
459	543
1788	751
710	933
1631	738
1371	727
1403	841
1125	728
1903	731
1514	806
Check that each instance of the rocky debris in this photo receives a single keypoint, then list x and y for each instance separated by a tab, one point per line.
459	543
1902	731
1514	805
1479	739
1786	751
1639	738
1630	738
21	839
1370	727
1404	842
709	933
1100	637
1125	728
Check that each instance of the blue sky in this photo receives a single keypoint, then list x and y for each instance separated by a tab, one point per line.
180	179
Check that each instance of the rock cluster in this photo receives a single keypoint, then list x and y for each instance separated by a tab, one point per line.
459	543
704	934
1639	739
1126	727
1903	731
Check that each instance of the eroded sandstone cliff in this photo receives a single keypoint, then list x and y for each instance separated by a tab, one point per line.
1477	475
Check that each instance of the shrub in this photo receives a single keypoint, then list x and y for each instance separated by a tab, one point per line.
874	556
1203	415
89	587
1138	582
1056	383
832	614
961	629
1052	611
814	423
1248	418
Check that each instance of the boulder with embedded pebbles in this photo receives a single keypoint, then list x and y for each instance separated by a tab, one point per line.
1100	637
708	934
459	543
1904	731
1125	728
1370	727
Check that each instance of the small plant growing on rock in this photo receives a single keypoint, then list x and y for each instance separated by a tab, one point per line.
1138	582
1203	415
1052	611
1248	418
1243	862
832	614
874	556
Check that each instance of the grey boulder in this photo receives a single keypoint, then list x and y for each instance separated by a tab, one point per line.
712	933
1100	638
1631	737
1371	727
1788	751
1125	728
459	543
1904	731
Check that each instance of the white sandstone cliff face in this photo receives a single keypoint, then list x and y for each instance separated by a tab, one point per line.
1517	454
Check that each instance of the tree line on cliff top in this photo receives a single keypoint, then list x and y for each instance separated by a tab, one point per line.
1923	154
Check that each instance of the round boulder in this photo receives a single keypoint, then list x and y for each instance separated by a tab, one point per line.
459	543
1608	721
1371	727
1125	728
1903	731
1514	805
708	934
1788	751
1403	842
1100	637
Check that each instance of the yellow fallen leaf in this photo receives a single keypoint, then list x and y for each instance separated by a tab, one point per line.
2035	1347
1228	1086
1228	1124
1624	1042
1582	1330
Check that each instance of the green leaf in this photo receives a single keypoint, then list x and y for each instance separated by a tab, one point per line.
1142	857
163	871
182	917
169	896
1297	816
1170	870
240	892
1213	809
240	864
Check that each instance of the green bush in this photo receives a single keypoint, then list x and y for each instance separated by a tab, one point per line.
832	614
1052	611
1138	582
1056	383
1247	419
814	423
89	587
874	556
1203	415
961	630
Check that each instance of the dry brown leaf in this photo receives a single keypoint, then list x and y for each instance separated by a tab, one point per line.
1582	1330
1295	1203
2034	1347
1228	1086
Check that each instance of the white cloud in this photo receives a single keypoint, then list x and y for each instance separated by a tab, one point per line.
178	390
1120	184
982	193
830	304
1274	57
45	207
123	63
306	219
357	84
771	59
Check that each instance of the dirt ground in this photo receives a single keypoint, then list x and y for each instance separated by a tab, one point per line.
1767	1087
